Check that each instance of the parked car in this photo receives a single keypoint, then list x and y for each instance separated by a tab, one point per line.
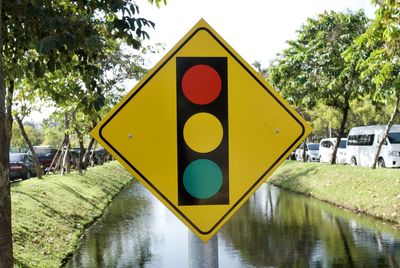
21	166
326	150
312	152
293	155
298	153
45	155
100	156
363	142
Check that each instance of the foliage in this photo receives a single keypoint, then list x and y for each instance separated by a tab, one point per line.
52	137
18	143
53	130
92	69
261	70
313	70
376	55
84	108
367	112
382	40
158	2
68	37
325	120
41	37
63	31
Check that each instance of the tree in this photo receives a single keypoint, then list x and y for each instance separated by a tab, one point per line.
18	143
28	142
382	63
313	69
59	31
83	108
363	111
6	257
367	112
261	71
25	102
52	131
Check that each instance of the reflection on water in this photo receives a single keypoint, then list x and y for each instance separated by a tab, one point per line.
275	228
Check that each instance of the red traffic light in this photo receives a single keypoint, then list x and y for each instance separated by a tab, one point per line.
201	84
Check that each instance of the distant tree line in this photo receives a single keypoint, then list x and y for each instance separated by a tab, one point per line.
344	70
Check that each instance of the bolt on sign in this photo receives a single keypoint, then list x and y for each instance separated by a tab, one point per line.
202	131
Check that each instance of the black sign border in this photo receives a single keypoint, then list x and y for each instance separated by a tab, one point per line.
149	183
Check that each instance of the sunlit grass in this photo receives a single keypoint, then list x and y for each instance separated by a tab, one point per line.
375	192
50	215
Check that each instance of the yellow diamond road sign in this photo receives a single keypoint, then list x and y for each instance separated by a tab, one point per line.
202	131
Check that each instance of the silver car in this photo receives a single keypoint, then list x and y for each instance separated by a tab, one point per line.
312	152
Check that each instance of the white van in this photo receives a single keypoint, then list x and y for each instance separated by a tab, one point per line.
326	150
363	141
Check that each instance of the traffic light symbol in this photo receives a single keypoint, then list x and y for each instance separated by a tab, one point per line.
202	120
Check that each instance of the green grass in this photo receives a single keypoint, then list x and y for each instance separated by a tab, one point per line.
373	192
50	215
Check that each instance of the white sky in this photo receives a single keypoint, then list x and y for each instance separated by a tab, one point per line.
256	29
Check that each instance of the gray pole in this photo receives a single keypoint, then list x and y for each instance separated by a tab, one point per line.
203	255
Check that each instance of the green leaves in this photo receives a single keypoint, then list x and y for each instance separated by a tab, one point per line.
158	2
39	69
313	72
313	67
70	51
377	50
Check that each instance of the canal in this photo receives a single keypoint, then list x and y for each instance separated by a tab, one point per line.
274	228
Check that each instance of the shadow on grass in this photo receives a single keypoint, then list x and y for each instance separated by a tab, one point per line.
113	185
51	212
18	263
76	193
45	206
292	179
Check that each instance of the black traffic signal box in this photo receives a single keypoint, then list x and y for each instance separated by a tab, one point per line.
202	130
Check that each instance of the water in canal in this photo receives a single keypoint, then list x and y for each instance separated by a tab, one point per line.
274	228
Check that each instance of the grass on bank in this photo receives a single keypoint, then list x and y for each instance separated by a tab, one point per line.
50	215
361	189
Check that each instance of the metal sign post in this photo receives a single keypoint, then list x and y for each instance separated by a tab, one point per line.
203	255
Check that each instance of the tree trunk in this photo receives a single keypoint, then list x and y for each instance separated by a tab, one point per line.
386	132
81	153
345	111
86	157
92	155
6	252
29	143
56	157
58	163
81	149
304	151
66	159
